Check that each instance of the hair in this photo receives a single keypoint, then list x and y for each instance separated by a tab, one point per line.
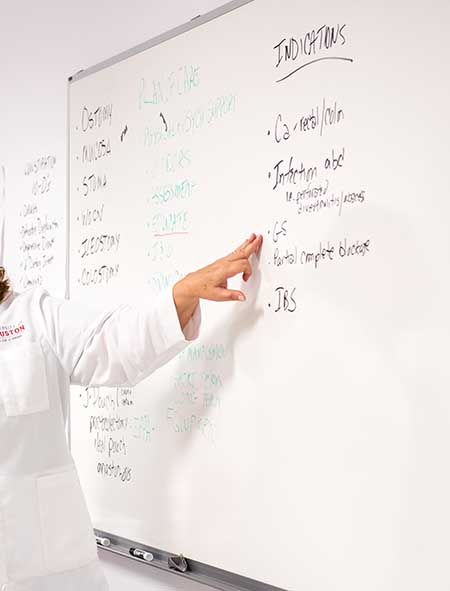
4	284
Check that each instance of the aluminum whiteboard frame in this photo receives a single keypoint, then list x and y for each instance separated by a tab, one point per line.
198	572
197	21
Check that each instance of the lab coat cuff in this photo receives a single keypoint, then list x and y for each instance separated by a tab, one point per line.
192	328
170	324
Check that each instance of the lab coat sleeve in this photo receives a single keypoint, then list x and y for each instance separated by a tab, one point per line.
119	346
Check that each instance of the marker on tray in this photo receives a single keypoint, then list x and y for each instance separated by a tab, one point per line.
142	554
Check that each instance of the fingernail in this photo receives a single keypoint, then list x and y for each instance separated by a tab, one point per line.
241	298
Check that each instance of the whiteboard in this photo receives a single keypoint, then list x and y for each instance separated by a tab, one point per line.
34	233
302	441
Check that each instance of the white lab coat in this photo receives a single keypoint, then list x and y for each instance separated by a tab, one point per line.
46	535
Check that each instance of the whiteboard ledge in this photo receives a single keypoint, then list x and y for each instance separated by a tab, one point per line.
198	572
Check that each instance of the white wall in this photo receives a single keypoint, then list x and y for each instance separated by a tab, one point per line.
41	44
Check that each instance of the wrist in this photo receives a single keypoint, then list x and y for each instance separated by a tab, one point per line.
185	300
183	292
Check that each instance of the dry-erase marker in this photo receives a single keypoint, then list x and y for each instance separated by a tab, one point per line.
102	541
137	553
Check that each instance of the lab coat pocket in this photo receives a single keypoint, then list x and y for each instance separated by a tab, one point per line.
67	534
23	385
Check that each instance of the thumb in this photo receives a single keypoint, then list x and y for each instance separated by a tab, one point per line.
221	294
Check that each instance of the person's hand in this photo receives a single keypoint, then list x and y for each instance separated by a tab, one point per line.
211	282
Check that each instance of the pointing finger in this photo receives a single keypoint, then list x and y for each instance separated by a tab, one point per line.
247	248
238	252
252	247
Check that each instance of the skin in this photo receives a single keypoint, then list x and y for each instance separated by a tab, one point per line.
211	282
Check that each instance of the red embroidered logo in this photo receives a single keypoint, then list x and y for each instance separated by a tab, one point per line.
10	332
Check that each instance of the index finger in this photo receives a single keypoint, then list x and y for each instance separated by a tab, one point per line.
247	248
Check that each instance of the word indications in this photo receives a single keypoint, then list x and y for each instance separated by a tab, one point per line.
38	228
99	248
316	45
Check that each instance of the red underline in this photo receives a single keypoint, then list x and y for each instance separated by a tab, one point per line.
171	234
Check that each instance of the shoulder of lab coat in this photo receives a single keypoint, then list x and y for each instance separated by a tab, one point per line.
116	346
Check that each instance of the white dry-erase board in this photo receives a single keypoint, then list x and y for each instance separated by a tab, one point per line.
303	441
